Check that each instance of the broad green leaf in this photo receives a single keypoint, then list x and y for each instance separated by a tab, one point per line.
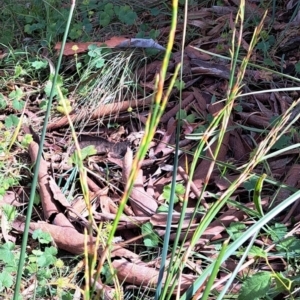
43	104
163	208
39	64
191	118
282	142
48	258
17	94
6	252
41	236
183	114
179	84
167	194
85	152
104	19
257	252
154	11
109	9
106	272
150	238
19	71
10	212
179	189
249	185
290	244
256	286
6	279
27	139
277	232
11	121
100	63
235	230
18	104
283	283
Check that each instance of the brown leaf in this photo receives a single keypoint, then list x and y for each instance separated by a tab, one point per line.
209	68
171	127
57	194
50	209
101	111
141	275
254	119
69	239
142	204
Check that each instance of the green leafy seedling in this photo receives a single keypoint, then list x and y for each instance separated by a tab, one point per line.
19	71
257	252
41	236
106	16
27	139
10	212
39	64
16	97
106	272
184	116
282	142
125	14
235	230
277	232
150	237
3	102
255	286
179	84
11	121
179	192
85	152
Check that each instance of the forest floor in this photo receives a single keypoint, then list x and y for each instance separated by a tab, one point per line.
108	89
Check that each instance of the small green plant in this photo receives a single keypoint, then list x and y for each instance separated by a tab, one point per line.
185	116
179	84
9	166
47	19
256	286
179	192
265	46
151	239
42	262
235	230
106	15
271	284
123	13
146	32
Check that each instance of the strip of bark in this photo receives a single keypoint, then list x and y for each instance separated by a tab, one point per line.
102	111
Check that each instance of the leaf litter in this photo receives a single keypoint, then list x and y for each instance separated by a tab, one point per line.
205	86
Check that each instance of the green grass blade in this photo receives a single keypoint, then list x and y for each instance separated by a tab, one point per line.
257	193
215	271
